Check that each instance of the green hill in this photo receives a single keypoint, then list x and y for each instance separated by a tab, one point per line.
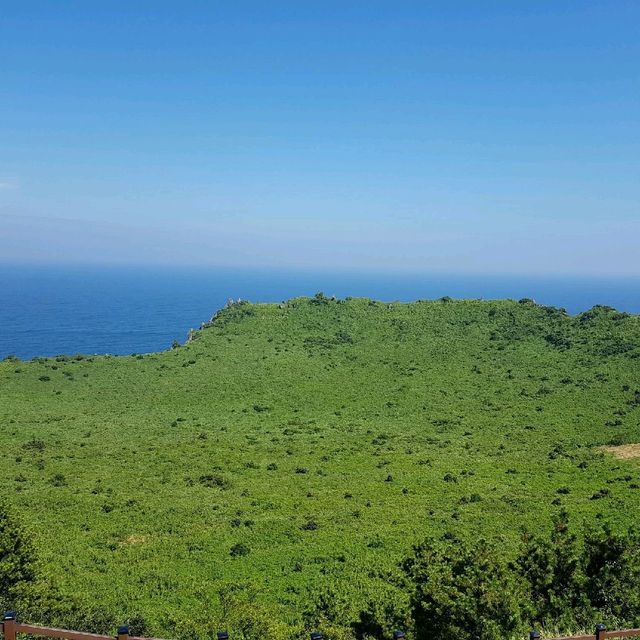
300	449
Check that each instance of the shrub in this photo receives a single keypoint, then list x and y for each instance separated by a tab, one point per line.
612	571
342	337
574	584
239	550
34	445
558	341
58	480
468	590
462	591
319	298
214	481
551	568
247	617
17	558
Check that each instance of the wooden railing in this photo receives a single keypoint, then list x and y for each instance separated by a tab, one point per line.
10	628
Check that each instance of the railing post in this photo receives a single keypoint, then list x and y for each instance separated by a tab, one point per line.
123	632
9	625
601	632
534	635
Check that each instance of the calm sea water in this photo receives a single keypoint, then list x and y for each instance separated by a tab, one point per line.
54	310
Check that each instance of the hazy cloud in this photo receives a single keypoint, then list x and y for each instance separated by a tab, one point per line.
439	246
9	183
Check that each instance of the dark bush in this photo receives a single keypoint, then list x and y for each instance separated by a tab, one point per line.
34	445
562	583
319	298
612	571
58	480
239	550
558	341
260	408
214	481
462	591
551	568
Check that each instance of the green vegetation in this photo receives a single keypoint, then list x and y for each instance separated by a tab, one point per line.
17	559
560	583
293	465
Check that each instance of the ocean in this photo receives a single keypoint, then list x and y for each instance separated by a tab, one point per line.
51	310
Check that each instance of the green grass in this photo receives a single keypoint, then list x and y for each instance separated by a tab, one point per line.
308	445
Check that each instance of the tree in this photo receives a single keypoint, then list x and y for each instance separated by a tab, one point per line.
17	558
463	591
553	571
612	570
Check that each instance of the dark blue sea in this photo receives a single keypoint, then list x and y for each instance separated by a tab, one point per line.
47	311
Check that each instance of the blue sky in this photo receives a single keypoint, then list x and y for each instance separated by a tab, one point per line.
497	137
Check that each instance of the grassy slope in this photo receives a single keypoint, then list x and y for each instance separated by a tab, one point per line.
387	422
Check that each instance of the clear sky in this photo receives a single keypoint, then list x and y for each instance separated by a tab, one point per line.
460	136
